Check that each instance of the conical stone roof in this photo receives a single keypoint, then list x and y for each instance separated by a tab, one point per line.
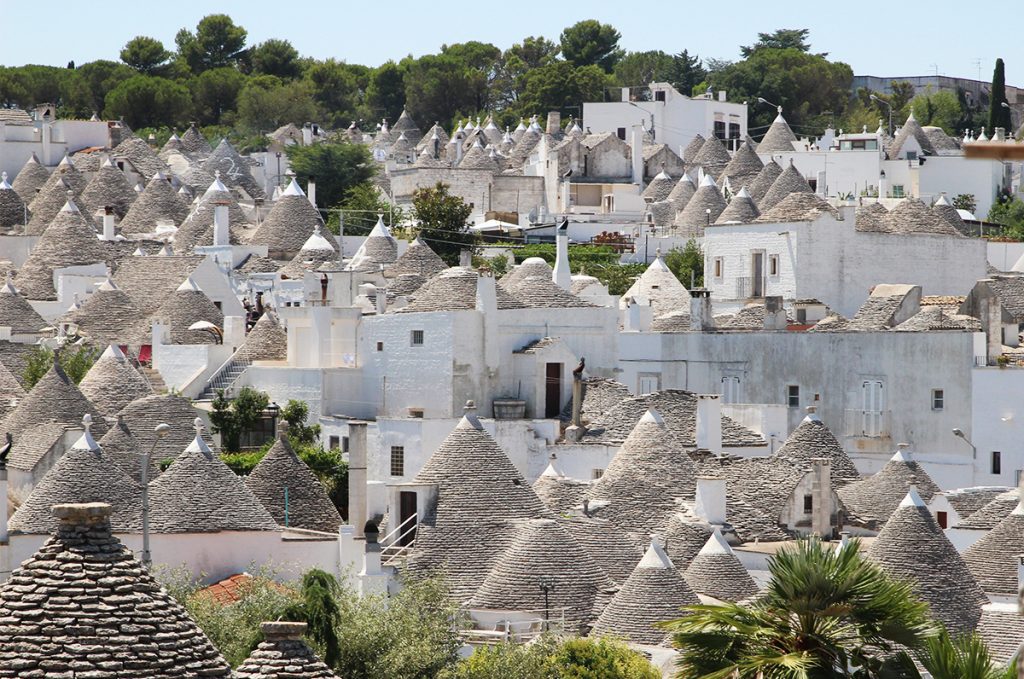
47	205
30	179
134	432
743	168
70	175
764	180
480	493
17	314
187	305
682	192
267	341
872	217
655	592
110	187
643	481
542	548
912	548
694	217
455	289
55	398
83	474
233	168
200	494
683	538
790	181
126	626
659	287
717	572
113	382
11	391
407	126
692	149
107	316
379	249
143	159
68	241
911	128
660	187
291	222
945	209
283	655
12	209
741	210
993	559
418	259
872	501
913	216
712	157
194	143
798	207
558	492
812	439
197	227
779	138
289	490
159	202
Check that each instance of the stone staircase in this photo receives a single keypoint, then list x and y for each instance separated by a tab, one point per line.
156	382
224	378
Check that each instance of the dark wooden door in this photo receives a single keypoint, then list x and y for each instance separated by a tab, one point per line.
406	509
553	390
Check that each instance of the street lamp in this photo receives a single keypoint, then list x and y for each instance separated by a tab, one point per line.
274	411
875	99
547	585
959	433
707	213
762	100
161	430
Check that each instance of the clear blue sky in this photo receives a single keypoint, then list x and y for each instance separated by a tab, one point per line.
885	39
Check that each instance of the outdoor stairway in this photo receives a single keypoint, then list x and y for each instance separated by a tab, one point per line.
156	382
224	378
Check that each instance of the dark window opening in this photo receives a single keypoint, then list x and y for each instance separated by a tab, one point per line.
659	95
621	132
793	396
942	519
808	504
997	462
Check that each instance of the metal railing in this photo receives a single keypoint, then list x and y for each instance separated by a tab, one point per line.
393	551
518	631
872	424
747	287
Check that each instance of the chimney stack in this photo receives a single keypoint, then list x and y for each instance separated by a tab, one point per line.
561	275
821	493
108	222
700	310
709	422
709	504
357	476
221	226
283	631
774	313
637	155
311	190
554	122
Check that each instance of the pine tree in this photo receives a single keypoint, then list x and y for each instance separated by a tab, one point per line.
999	115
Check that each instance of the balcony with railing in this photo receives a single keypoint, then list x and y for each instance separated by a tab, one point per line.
751	287
869	424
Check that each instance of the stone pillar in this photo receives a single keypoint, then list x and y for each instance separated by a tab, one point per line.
357	476
700	310
709	504
821	492
221	232
709	422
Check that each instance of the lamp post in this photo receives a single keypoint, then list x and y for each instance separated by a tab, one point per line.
883	102
278	154
547	585
707	213
274	411
959	433
161	430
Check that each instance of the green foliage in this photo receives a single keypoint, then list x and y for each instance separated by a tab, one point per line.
966	657
512	68
26	86
386	92
941	109
1009	211
276	57
266	103
318	607
337	165
478	61
599	261
146	55
231	417
823	611
215	92
145	101
86	89
506	661
550	658
438	86
217	42
686	261
75	361
362	203
295	413
965	201
443	221
335	88
497	265
999	115
782	39
560	86
591	43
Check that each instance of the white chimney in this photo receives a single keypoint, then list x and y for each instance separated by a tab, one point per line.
709	504
631	321
709	422
307	134
637	149
774	313
554	122
625	94
721	95
561	275
357	476
820	186
465	257
700	310
311	190
821	498
381	301
221	231
108	223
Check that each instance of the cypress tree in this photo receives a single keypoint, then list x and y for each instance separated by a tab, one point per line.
999	115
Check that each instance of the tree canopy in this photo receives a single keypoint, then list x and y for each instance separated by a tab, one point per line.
591	43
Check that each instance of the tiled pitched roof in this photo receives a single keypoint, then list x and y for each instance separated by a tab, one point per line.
993	558
145	633
655	592
913	548
717	572
113	382
83	474
871	501
290	491
479	494
200	494
543	548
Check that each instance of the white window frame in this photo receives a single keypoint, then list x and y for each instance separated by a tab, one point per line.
719	268
938	400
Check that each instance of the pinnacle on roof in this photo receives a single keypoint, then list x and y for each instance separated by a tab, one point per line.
659	287
289	225
682	192
283	655
788	182
706	205
872	501
717	572
778	139
912	547
113	382
912	128
740	210
653	593
83	474
379	249
83	554
135	431
812	439
764	180
267	341
16	312
660	187
188	304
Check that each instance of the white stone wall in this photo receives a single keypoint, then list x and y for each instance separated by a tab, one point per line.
996	424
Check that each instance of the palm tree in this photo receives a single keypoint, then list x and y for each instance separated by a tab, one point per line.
963	658
825	613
